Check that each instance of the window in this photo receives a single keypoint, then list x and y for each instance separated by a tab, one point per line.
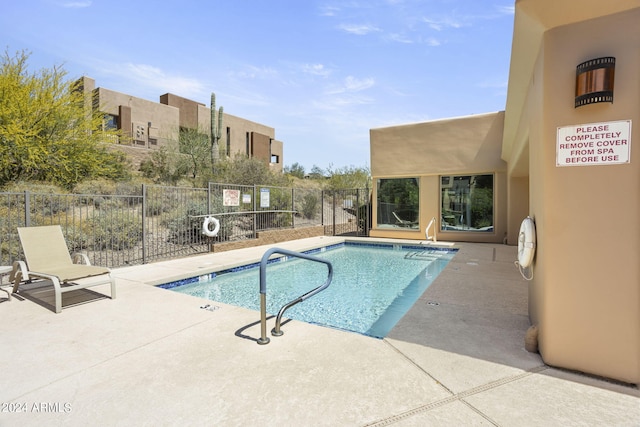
228	142
398	203
467	203
110	122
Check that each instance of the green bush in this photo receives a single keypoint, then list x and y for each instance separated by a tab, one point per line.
310	204
183	228
116	230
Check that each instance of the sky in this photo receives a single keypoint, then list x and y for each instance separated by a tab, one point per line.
322	73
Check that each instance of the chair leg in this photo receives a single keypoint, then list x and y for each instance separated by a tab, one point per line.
113	287
57	294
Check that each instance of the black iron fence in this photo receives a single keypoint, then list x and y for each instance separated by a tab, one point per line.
162	222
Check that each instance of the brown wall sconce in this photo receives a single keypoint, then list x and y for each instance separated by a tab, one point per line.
594	81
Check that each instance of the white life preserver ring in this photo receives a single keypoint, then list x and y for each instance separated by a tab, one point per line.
205	226
526	242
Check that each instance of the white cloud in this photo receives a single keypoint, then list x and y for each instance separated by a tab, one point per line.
77	4
253	72
316	70
351	84
433	42
359	29
154	78
328	10
400	38
354	85
440	24
507	10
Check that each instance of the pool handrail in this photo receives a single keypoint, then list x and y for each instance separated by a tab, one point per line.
263	290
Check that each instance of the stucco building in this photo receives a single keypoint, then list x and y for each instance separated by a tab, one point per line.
150	125
560	153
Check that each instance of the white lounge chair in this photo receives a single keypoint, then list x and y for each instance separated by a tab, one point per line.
47	257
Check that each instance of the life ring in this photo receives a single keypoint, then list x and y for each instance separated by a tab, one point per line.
205	226
526	242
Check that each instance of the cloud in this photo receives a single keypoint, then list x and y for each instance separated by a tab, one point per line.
507	10
252	72
76	4
440	24
400	38
327	10
359	29
351	84
433	42
316	70
154	78
355	85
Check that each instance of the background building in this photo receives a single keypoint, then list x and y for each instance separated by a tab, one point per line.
152	125
560	153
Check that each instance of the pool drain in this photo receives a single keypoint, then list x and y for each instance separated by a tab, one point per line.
433	303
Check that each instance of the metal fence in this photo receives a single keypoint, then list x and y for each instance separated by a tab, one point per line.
162	222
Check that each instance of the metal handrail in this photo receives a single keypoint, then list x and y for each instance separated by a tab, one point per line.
263	290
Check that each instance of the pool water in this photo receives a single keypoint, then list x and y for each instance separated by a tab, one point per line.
373	286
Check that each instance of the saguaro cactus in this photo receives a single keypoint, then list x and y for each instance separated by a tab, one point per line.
216	130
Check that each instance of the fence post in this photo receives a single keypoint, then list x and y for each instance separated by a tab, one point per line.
144	224
333	208
357	212
255	215
322	210
293	207
27	209
209	210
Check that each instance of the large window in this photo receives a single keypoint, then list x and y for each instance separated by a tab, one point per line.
398	203
467	203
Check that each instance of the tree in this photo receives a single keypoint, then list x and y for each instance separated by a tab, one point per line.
164	166
48	132
194	144
295	169
247	171
348	177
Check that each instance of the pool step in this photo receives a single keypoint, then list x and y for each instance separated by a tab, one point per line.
423	255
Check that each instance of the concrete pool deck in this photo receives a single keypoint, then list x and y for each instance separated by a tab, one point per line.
155	357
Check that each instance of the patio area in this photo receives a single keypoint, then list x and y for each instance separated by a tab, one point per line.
155	357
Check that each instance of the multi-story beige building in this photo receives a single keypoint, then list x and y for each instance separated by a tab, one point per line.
561	154
150	125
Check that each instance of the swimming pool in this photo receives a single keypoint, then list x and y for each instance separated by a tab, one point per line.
373	285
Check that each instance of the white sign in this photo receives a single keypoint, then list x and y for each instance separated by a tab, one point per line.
230	198
264	198
607	143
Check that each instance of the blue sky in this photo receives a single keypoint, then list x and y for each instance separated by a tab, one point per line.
321	72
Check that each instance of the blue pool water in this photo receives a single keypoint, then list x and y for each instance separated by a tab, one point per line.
373	285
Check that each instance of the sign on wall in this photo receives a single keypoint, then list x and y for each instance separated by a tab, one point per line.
607	143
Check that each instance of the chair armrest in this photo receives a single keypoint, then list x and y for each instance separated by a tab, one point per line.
81	258
19	271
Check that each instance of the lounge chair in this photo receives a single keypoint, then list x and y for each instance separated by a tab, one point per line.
47	257
404	222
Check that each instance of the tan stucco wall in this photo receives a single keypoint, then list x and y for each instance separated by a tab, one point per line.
460	146
585	295
164	119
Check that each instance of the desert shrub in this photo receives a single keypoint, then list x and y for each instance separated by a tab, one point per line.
183	228
310	205
115	230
